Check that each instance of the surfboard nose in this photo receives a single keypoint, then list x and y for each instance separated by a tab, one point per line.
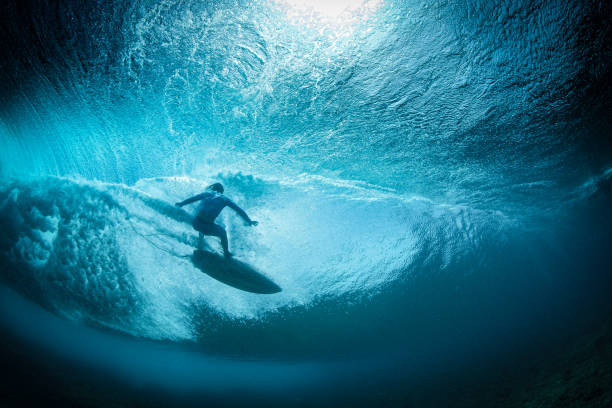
233	272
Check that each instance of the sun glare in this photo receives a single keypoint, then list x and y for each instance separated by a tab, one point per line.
327	8
339	13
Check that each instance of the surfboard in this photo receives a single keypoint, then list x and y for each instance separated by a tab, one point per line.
233	272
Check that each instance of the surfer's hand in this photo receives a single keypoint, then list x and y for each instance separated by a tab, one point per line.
253	223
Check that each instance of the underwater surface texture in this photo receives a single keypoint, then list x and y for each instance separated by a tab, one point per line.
432	182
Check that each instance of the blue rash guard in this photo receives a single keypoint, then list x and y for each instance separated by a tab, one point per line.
212	203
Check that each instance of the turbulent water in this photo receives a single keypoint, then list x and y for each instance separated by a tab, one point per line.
430	178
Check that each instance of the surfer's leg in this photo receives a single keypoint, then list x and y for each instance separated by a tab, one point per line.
199	226
215	230
220	232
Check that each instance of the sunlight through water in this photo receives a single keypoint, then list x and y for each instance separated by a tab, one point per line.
432	182
339	16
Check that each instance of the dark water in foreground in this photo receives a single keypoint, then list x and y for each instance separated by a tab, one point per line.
432	182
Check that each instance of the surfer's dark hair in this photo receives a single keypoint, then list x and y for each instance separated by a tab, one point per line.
218	187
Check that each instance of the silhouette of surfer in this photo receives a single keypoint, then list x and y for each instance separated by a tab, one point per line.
212	201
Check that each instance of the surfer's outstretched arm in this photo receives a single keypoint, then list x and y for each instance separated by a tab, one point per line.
190	200
240	212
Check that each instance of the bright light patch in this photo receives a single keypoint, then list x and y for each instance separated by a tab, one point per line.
338	15
328	8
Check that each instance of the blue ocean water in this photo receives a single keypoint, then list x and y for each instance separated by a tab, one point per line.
432	182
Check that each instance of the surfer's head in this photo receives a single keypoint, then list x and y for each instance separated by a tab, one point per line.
218	187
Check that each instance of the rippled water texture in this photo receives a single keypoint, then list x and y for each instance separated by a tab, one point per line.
431	179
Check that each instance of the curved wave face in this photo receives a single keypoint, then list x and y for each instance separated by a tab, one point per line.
431	181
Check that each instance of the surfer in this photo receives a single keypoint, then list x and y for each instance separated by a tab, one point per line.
212	202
